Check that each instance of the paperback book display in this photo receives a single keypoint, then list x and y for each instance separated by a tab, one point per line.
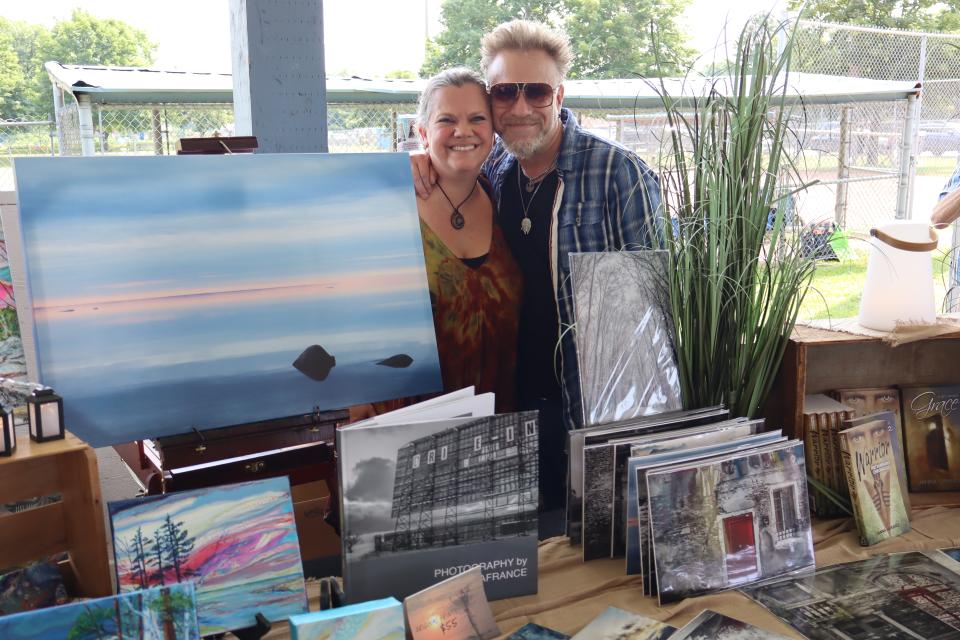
872	463
435	489
823	419
931	425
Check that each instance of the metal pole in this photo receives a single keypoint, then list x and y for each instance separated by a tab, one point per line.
921	76
57	115
157	133
843	169
907	158
85	113
953	282
101	135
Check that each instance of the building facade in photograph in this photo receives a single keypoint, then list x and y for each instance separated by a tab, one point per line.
472	483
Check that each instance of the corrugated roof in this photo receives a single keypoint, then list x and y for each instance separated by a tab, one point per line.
136	85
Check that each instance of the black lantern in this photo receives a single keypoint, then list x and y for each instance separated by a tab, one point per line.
8	435
45	409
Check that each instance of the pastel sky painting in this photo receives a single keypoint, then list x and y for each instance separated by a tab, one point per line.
172	293
244	555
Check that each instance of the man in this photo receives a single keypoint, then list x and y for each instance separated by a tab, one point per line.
947	211
558	189
948	208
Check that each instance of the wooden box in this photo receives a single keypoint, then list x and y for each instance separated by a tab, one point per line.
75	524
819	361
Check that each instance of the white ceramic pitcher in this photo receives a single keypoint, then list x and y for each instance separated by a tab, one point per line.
899	285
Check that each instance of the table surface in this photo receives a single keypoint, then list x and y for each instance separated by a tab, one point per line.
573	592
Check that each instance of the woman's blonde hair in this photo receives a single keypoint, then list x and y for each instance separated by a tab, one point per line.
525	35
455	77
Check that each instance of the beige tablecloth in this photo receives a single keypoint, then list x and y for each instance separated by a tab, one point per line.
573	592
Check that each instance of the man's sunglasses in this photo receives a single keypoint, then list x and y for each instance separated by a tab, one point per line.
537	94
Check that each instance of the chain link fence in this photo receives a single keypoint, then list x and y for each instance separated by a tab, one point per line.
931	59
851	152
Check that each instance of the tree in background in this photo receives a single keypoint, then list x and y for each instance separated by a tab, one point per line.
466	21
910	15
83	39
610	38
881	56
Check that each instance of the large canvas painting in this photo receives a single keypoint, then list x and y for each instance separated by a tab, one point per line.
624	346
906	595
237	542
162	613
161	294
730	521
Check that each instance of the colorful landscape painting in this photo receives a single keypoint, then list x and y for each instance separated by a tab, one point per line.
375	620
170	293
12	361
237	543
162	613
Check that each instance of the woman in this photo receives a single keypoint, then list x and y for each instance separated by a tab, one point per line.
475	285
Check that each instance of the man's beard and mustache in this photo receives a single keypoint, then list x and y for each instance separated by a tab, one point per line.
527	148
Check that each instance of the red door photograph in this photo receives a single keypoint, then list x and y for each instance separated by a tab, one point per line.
741	551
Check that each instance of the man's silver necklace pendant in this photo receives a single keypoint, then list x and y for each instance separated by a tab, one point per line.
533	186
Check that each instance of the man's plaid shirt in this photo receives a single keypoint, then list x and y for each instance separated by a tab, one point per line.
952	183
608	199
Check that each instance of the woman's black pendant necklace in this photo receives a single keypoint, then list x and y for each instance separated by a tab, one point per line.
456	218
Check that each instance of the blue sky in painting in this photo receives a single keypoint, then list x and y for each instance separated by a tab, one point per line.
154	276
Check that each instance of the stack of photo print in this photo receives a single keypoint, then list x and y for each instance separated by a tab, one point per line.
694	501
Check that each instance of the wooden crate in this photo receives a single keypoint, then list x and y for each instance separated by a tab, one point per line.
818	361
75	524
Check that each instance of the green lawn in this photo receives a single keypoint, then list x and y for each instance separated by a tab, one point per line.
837	286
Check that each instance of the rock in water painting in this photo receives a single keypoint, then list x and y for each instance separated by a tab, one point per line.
238	543
162	294
163	613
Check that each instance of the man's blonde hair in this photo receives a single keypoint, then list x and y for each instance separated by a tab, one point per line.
525	35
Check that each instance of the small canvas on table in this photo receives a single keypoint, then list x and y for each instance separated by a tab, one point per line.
624	346
455	609
533	631
374	620
710	625
168	612
617	624
238	542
